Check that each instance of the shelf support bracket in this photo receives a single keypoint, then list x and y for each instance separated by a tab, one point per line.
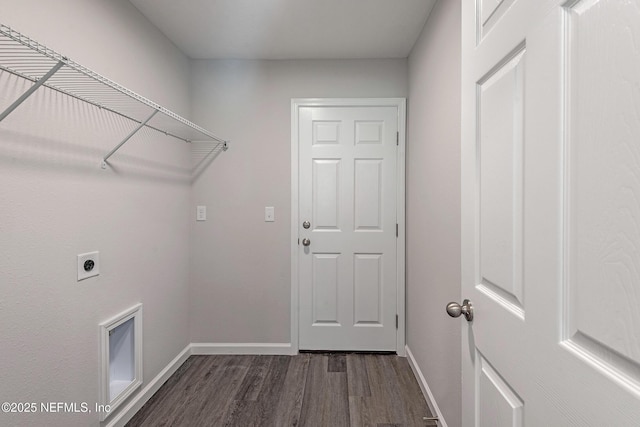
32	89
133	132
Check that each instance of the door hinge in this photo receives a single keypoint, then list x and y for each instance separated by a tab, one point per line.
298	241
397	230
397	138
396	321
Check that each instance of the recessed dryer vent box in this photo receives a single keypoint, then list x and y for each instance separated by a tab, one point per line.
88	265
121	358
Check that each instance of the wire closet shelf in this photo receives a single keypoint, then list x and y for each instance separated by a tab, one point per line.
28	59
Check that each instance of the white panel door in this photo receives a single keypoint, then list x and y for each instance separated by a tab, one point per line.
551	212
348	168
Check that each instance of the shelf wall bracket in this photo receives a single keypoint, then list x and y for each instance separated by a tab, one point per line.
30	91
128	137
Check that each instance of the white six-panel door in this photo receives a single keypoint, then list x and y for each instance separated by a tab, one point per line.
551	212
348	183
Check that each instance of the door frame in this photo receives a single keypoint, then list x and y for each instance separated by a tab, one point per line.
400	104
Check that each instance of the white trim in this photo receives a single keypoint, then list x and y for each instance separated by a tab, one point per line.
400	218
241	348
138	401
400	104
295	105
426	391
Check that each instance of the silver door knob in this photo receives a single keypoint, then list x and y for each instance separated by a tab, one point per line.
455	310
306	224
306	242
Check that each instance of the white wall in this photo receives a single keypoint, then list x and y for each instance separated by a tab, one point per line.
56	202
433	205
241	281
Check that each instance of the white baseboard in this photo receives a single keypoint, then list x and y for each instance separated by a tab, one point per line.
426	391
138	401
241	348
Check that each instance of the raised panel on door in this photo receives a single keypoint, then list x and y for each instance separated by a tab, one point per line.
367	289
602	286
368	194
500	146
325	289
490	12
326	132
369	132
497	404
326	194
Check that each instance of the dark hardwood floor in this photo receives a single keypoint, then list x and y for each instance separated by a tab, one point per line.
309	389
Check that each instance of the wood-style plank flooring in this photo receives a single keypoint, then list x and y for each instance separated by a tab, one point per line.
309	389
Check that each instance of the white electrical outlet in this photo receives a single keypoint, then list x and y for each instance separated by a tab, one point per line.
88	265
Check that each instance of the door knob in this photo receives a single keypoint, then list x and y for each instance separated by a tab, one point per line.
306	224
455	310
306	242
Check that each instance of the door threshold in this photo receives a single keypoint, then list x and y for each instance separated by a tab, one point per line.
377	352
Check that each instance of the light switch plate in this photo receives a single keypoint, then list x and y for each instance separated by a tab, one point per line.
269	214
201	213
88	265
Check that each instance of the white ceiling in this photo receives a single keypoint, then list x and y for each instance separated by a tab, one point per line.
289	29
